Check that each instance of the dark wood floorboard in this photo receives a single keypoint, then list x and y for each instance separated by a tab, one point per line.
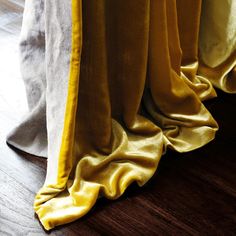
190	194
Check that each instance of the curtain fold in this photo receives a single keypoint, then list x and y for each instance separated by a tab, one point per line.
111	85
218	44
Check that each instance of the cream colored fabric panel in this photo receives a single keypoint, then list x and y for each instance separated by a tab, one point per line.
218	31
58	49
31	134
45	47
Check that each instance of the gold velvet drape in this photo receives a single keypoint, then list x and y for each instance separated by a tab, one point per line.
134	90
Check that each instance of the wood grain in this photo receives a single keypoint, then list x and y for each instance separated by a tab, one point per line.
190	194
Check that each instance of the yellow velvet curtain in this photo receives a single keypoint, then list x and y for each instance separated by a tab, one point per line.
136	86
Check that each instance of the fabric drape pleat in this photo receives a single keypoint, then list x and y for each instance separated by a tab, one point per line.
117	83
217	44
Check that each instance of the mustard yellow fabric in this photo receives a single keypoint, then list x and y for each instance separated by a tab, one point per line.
189	27
134	90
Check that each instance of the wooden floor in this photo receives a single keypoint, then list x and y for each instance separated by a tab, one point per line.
190	194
